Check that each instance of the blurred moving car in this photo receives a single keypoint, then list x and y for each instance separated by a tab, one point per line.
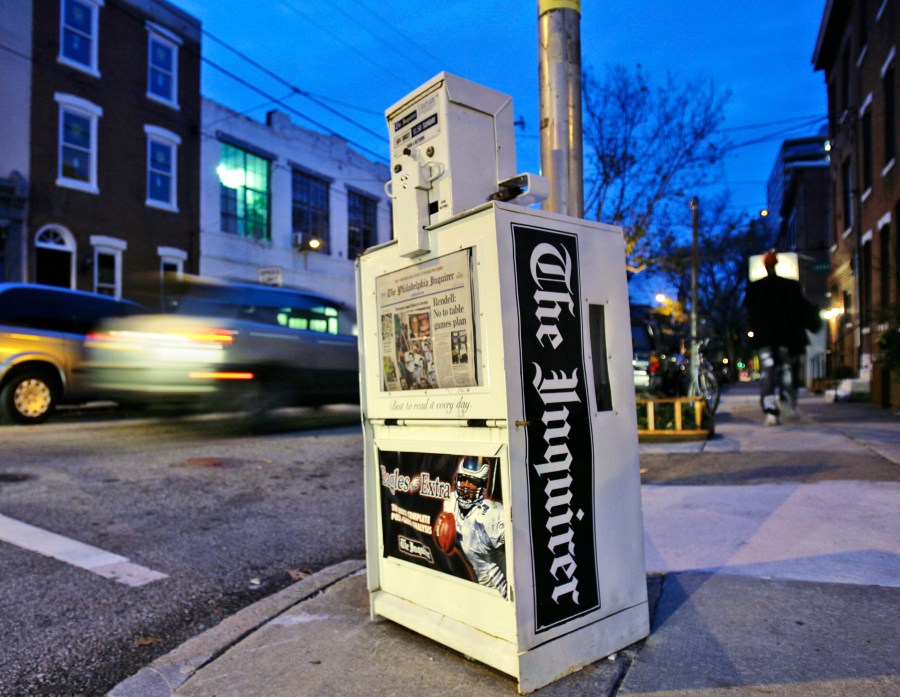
42	335
230	346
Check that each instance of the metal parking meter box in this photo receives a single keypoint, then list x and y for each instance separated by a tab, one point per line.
502	487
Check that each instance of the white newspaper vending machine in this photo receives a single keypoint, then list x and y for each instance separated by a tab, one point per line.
502	487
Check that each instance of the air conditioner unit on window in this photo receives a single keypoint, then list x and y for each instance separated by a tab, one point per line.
297	240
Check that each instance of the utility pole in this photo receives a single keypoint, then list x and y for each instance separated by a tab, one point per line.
695	358
559	76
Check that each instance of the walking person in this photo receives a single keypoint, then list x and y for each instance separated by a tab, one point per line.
779	318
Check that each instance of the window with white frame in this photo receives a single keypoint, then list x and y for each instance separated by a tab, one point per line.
865	129
890	105
162	168
162	65
78	26
54	256
77	143
107	264
171	270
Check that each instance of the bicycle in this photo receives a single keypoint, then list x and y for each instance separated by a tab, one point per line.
707	384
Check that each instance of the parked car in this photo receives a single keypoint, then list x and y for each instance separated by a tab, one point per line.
643	349
230	346
42	335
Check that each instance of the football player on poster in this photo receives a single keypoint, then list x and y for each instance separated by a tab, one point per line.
475	524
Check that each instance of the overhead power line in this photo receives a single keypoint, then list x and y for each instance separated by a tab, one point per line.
299	113
766	124
337	38
294	88
271	98
393	27
777	135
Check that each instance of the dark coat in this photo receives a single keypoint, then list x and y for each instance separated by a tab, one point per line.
779	314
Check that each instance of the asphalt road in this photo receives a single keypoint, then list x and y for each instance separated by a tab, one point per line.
210	514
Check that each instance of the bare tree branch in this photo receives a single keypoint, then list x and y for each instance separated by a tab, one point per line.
647	149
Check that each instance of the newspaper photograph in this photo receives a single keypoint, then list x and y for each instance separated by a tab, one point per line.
427	325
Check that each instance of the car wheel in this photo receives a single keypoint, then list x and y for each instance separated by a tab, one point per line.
268	392
30	396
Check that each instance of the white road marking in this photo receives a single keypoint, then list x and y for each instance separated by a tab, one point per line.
93	559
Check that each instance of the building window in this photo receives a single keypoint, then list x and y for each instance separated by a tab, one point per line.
107	264
863	26
884	248
847	192
162	65
890	116
865	126
845	79
171	270
361	225
309	210
54	257
865	283
244	179
162	168
835	228
77	143
78	34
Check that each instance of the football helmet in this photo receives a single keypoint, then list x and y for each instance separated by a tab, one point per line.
471	480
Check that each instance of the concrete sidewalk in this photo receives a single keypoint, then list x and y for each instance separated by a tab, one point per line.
786	588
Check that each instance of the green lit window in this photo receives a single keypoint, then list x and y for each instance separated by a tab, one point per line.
244	187
315	319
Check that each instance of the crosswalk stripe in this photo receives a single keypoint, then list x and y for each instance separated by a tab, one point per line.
93	559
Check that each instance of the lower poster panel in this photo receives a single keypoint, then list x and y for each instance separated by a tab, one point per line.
445	512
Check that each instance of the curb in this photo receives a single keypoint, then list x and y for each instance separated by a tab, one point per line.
167	673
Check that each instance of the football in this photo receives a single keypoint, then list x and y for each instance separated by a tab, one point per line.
444	531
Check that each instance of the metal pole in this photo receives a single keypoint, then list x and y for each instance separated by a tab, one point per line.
695	358
559	76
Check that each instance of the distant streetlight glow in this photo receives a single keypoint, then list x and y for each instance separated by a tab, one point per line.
764	212
661	298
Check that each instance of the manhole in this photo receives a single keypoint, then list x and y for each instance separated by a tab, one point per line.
14	477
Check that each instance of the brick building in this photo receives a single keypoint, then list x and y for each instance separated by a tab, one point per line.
113	148
800	202
856	48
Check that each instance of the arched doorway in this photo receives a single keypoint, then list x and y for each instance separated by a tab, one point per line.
54	257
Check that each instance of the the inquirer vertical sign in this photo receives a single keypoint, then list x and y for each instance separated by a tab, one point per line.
558	435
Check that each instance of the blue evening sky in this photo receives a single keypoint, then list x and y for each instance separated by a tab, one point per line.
358	57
